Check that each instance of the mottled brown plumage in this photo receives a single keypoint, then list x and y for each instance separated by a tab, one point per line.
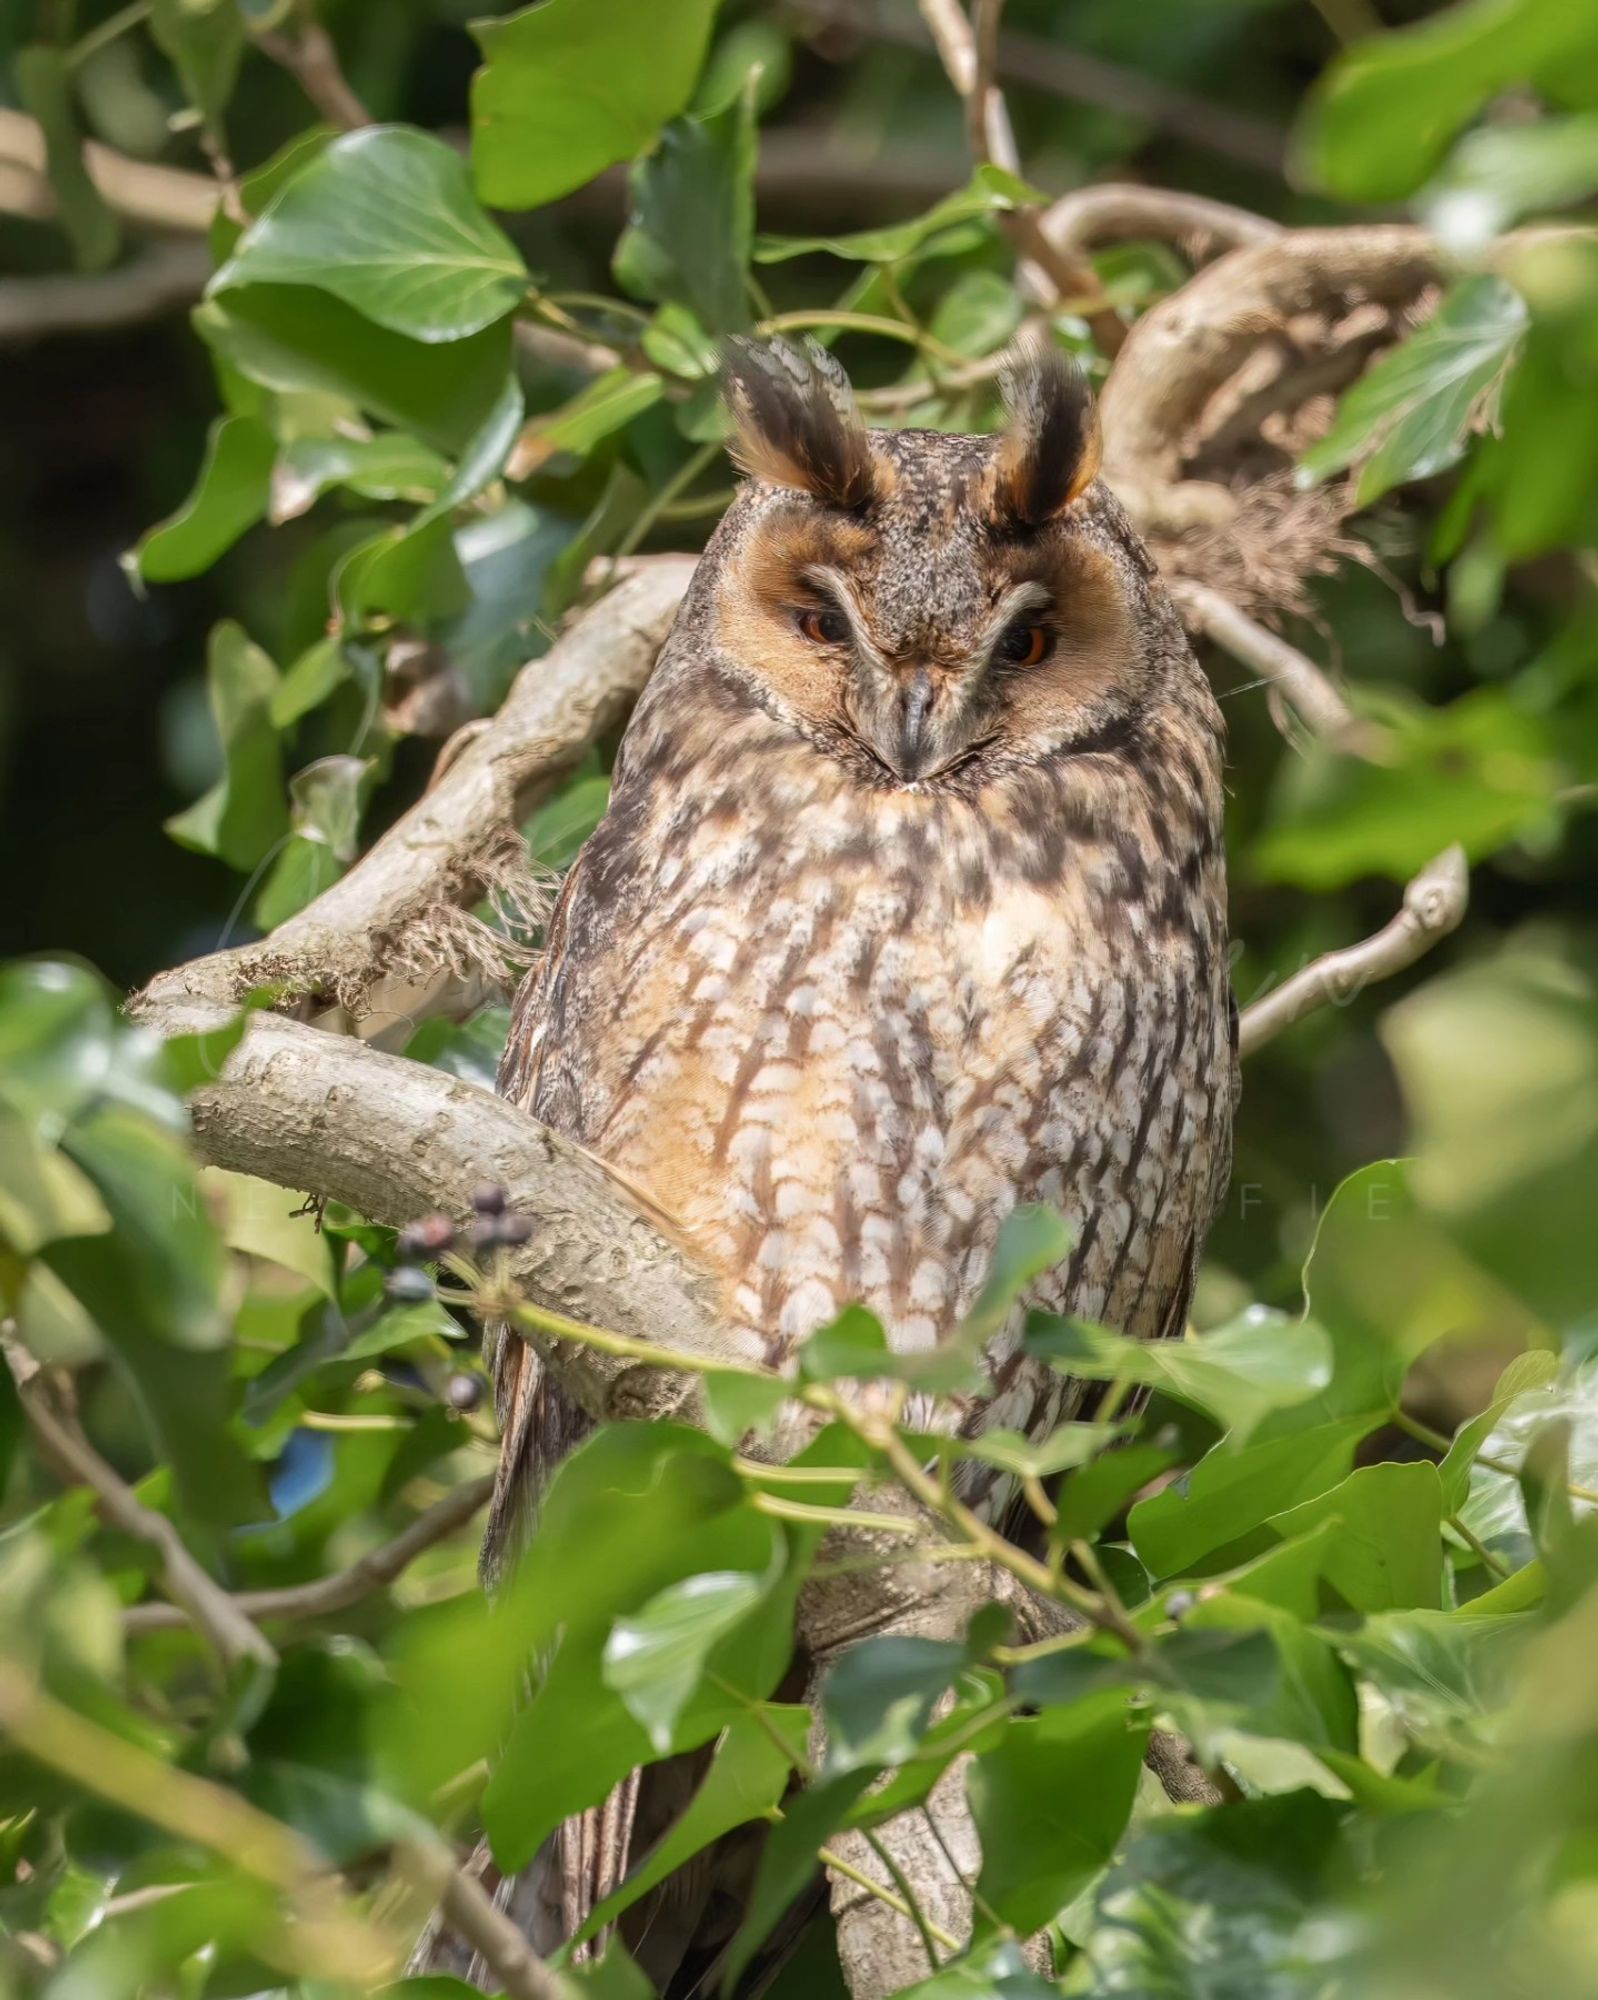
910	901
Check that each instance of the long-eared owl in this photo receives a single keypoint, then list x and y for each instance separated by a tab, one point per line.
909	904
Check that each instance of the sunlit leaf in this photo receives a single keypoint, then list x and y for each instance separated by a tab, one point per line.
568	88
385	219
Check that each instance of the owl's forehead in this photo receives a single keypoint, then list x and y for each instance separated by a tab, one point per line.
932	569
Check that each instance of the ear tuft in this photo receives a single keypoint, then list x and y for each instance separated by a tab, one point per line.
1051	449
795	422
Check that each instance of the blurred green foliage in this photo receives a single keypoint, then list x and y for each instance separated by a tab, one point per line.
1352	1537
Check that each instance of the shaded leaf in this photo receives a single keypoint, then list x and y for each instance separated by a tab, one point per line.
1387	1552
244	812
44	83
1051	1801
204	41
1259	1362
691	226
754	1761
990	191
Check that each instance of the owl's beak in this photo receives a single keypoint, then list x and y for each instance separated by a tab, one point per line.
912	744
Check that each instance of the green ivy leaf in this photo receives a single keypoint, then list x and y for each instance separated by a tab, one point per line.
654	1657
293	337
385	219
1412	411
1259	1362
1387	1552
607	405
1051	1800
244	812
1385	113
229	497
570	87
391	466
880	1696
689	235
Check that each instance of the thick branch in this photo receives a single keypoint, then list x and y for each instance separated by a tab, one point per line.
442	853
1434	904
1117	211
327	1594
159	197
396	1140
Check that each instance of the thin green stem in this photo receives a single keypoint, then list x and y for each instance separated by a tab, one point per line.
831	1858
906	1889
832	1517
650	1353
679	482
1472	1540
1434	1440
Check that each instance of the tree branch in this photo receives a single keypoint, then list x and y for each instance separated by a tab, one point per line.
158	197
398	910
1309	690
1116	211
308	54
204	1603
1434	904
1050	273
327	1594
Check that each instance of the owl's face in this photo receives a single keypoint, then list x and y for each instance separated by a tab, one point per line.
918	604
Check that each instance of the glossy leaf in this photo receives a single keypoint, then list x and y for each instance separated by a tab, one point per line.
385	220
229	497
1238	1374
653	1659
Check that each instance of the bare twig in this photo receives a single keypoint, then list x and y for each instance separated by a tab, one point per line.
1050	273
1434	904
1305	686
306	51
204	1603
1032	62
327	1594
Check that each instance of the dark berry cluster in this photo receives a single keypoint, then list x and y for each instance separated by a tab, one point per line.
493	1226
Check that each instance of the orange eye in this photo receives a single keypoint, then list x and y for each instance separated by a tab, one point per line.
823	628
1022	645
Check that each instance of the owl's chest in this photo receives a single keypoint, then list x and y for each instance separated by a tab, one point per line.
839	1052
